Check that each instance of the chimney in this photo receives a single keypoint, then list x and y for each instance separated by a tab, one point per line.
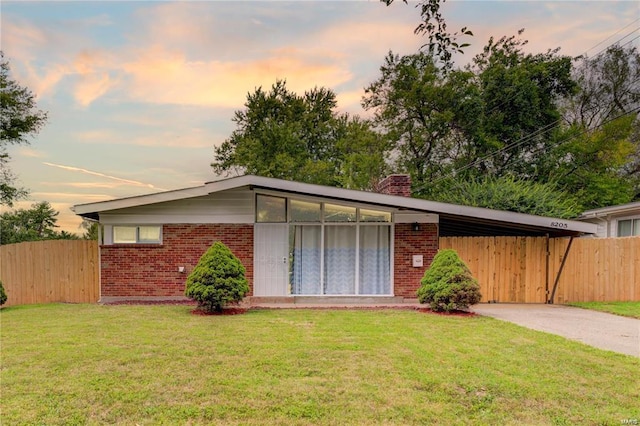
395	185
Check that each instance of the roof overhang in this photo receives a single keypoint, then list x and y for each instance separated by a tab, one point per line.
451	215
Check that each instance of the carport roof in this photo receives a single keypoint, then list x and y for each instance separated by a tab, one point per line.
454	219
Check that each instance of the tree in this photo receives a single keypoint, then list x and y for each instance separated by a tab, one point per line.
603	115
34	224
217	280
520	119
19	119
424	114
511	194
283	135
91	229
442	44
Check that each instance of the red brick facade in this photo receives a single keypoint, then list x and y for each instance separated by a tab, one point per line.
152	270
408	243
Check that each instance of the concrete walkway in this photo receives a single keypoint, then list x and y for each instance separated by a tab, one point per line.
598	329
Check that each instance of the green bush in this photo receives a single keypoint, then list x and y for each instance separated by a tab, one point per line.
448	284
217	280
3	295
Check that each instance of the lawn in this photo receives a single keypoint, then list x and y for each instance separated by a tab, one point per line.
148	365
627	309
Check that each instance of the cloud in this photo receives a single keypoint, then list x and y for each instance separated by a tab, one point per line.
30	152
89	172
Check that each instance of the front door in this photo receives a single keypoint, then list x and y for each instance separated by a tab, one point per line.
271	264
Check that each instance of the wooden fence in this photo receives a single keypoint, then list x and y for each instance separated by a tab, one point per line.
519	270
509	269
50	271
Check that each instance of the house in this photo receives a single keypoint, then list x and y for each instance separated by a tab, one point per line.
615	221
296	240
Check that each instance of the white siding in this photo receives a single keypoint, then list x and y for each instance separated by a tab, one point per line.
232	206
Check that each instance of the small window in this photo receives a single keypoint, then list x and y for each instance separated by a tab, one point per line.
337	213
374	216
271	209
304	211
136	234
628	227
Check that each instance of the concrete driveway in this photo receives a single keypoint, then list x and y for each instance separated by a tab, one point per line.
598	329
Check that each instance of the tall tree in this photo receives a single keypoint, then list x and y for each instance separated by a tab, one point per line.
300	137
34	224
19	120
604	115
521	116
423	113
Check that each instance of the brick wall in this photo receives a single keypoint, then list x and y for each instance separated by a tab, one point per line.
407	243
395	185
152	270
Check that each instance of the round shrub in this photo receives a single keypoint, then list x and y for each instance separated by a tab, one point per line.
448	284
3	295
217	280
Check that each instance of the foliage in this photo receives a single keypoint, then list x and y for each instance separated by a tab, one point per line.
608	85
604	115
442	44
512	194
217	280
91	229
448	284
34	224
283	135
19	119
422	113
3	295
590	163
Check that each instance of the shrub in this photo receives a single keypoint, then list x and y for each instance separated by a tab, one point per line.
3	295
217	280
448	284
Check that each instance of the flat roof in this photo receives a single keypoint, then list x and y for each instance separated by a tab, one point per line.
454	219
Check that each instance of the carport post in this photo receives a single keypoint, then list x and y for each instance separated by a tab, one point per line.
564	260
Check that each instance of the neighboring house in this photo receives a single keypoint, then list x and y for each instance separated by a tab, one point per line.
615	221
297	241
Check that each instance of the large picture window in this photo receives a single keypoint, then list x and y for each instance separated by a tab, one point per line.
336	249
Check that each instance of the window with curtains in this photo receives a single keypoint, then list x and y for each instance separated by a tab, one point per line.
333	249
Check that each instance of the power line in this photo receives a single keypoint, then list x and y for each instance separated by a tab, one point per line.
617	32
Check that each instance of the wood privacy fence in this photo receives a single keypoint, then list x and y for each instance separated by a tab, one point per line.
50	271
509	269
519	270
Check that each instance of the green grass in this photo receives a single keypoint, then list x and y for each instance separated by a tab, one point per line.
627	309
148	365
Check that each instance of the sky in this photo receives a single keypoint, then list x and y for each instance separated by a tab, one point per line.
140	93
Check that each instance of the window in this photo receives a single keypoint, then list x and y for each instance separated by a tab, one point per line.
336	213
628	227
271	209
137	234
303	211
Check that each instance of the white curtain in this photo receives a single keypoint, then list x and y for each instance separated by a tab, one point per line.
340	259
375	276
305	259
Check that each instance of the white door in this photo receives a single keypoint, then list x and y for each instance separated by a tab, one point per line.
271	259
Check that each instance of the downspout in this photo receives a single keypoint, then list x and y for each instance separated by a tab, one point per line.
564	260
